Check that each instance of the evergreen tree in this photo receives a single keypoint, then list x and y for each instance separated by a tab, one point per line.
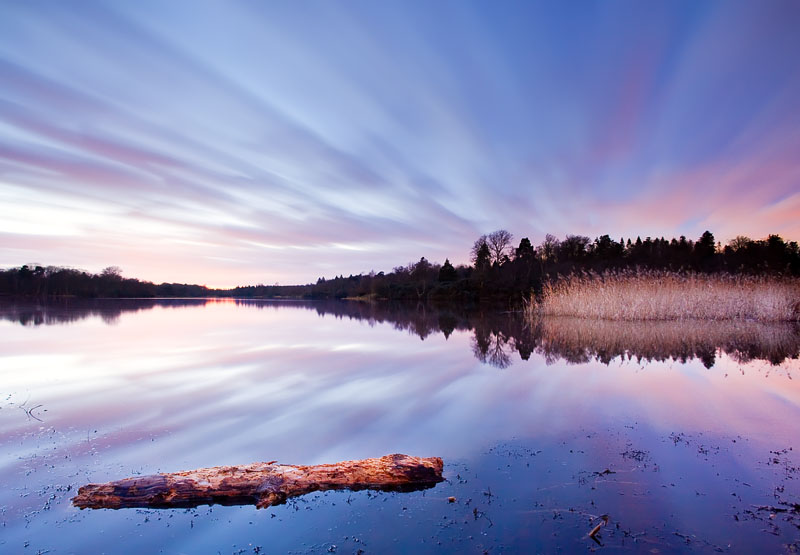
524	250
447	272
483	257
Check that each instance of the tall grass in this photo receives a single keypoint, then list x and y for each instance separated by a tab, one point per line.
655	295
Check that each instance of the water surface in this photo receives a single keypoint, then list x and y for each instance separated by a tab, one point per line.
682	433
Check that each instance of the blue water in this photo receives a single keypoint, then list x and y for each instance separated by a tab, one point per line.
682	453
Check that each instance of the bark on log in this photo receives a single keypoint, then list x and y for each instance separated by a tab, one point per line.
264	484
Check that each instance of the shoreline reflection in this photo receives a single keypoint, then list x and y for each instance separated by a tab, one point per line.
65	311
496	336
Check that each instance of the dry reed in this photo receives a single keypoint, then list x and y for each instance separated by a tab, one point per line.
651	295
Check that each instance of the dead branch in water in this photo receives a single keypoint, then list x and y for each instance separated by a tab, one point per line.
264	484
29	411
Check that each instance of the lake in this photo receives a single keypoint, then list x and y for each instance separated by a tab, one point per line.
682	433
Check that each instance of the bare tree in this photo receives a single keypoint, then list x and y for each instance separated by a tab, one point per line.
499	243
739	242
574	247
420	272
549	248
113	272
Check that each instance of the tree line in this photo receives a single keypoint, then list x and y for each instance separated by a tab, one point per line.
498	270
55	281
501	271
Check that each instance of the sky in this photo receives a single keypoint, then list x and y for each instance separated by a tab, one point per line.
227	143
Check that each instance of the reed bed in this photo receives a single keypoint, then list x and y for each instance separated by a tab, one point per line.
651	295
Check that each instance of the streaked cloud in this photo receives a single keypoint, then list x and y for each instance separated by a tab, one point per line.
243	142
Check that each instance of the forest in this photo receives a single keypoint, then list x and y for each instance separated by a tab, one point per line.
501	270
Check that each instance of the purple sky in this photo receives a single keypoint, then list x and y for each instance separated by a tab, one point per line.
257	142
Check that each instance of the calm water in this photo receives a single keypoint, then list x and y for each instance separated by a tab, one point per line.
685	435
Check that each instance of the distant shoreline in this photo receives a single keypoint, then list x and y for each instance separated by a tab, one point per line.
498	274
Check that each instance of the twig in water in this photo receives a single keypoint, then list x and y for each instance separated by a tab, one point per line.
29	411
596	529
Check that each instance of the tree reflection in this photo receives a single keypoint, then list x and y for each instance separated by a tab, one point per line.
64	311
496	336
492	347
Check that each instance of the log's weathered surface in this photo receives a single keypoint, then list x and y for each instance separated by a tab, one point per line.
264	484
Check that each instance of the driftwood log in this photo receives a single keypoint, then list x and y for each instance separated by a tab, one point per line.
264	484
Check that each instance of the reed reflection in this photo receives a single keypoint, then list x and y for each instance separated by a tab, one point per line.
578	341
498	337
